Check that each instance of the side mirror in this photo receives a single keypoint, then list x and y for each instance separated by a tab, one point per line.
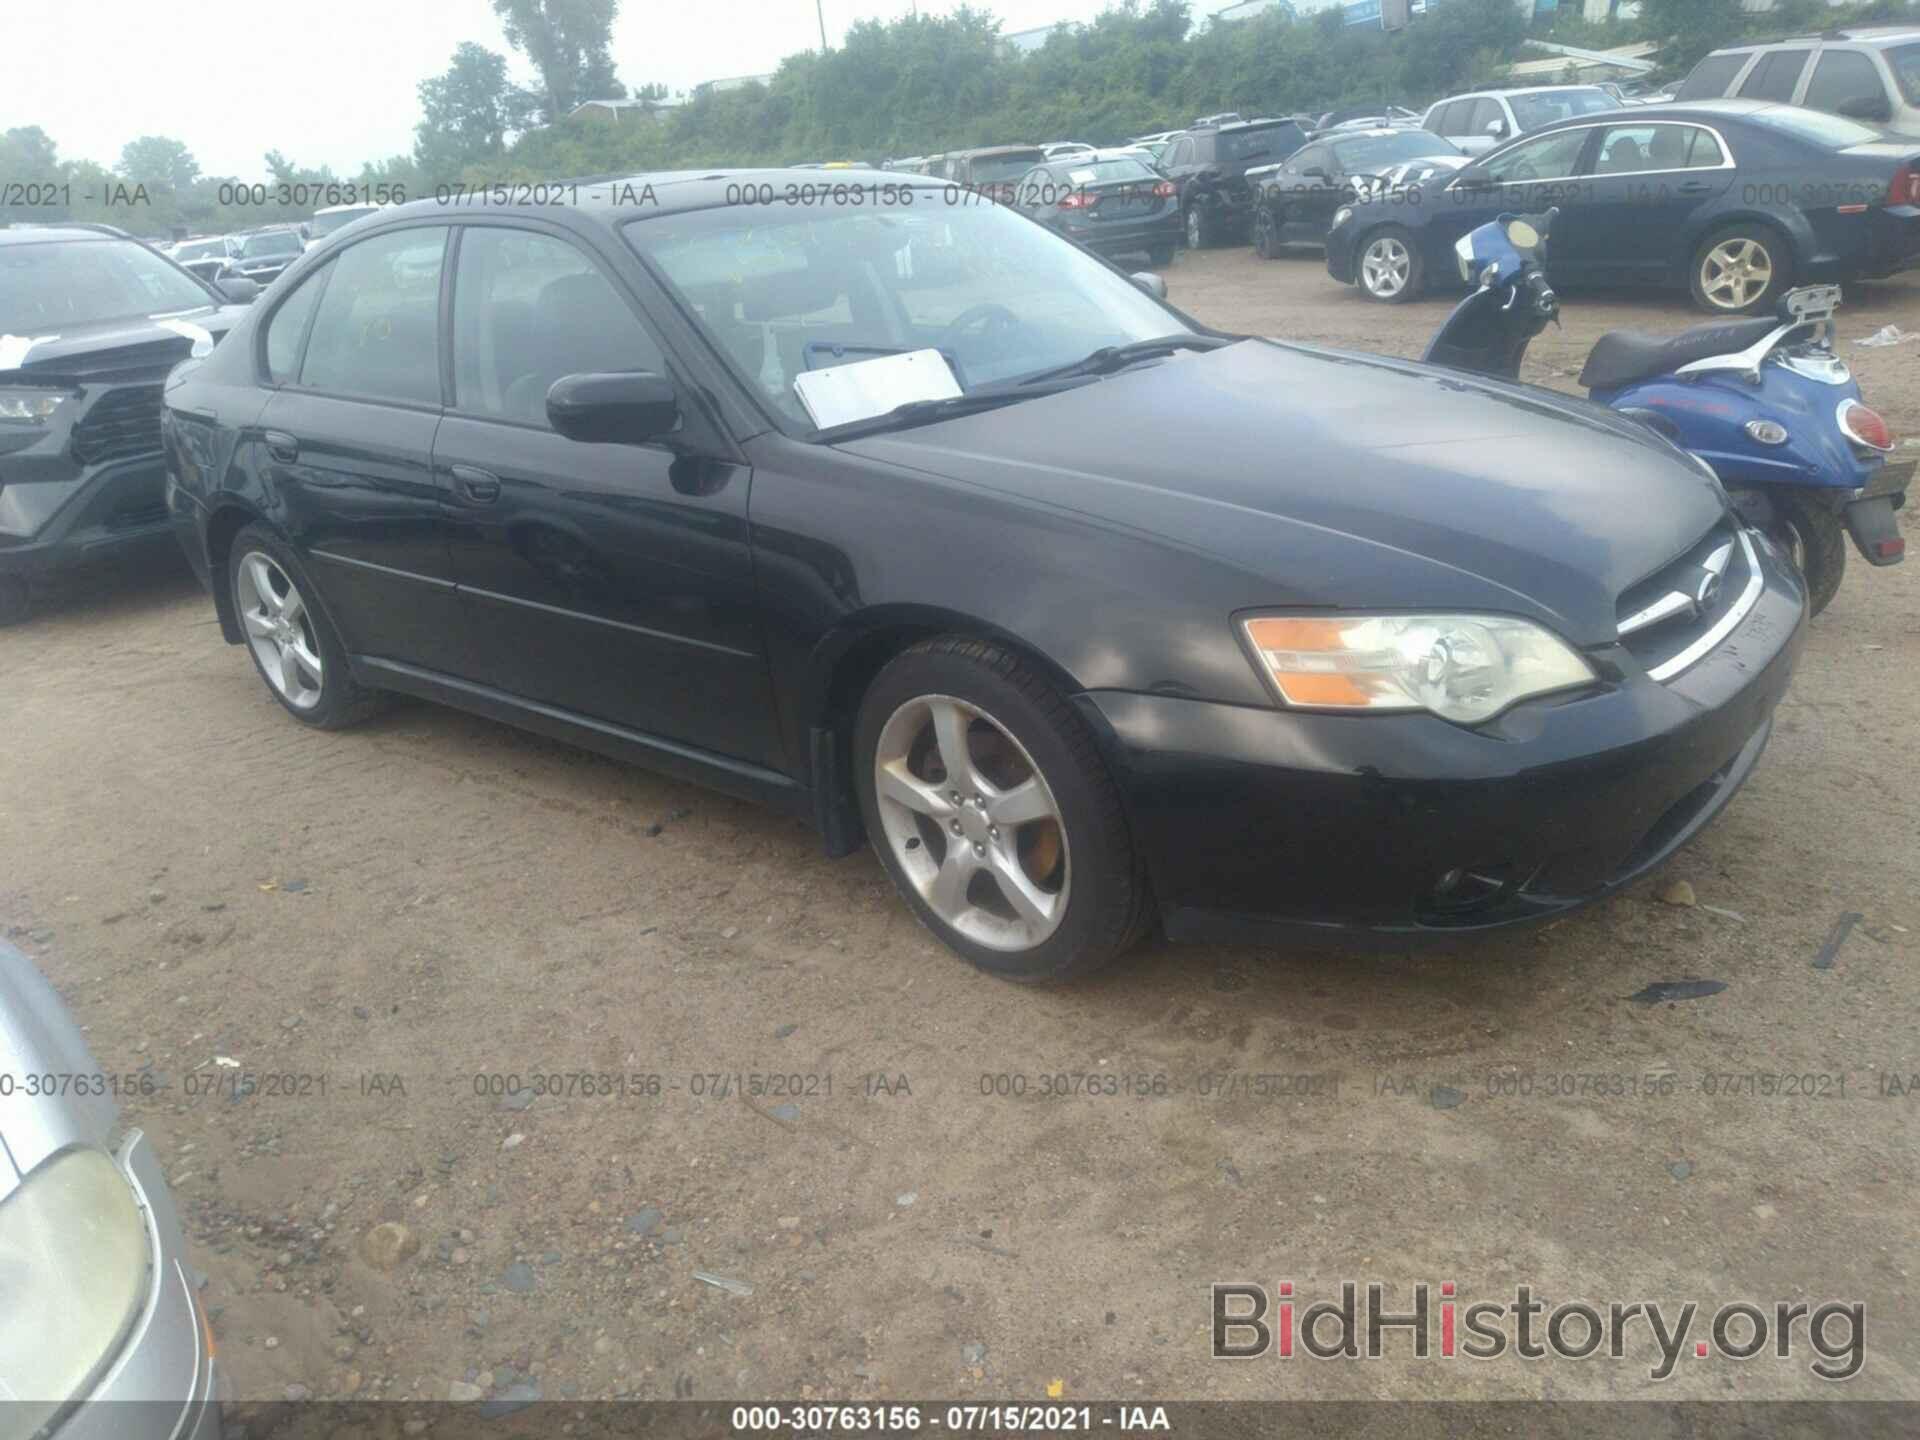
1150	282
239	291
625	408
1866	107
1496	128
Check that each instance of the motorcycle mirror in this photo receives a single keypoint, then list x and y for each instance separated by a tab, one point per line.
1521	235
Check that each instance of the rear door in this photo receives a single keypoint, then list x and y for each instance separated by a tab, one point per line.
1847	82
1641	184
609	581
349	437
1777	75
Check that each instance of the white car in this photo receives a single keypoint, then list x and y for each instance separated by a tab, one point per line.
1485	118
1064	149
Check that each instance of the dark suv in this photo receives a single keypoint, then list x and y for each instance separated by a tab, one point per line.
91	320
1209	169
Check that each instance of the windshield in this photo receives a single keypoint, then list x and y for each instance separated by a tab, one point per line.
1543	107
1905	60
1815	127
1378	152
1276	142
52	287
200	250
277	242
328	221
776	288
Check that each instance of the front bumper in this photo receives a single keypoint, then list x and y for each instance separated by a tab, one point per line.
162	1384
1270	825
1340	248
58	515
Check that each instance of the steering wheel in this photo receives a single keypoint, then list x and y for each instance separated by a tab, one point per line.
987	317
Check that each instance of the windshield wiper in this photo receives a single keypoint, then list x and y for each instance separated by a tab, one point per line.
1109	358
924	412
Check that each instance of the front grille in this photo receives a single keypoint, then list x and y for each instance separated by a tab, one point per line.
122	423
1676	616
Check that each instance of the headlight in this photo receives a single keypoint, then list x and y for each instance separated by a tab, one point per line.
1341	216
1464	668
1463	248
32	407
73	1273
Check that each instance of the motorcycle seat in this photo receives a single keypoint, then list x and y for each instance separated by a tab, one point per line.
1621	357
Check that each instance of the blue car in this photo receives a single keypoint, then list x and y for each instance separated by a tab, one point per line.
1736	201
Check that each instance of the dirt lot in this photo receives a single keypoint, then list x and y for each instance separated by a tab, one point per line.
404	907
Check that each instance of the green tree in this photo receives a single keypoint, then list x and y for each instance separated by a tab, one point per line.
569	44
1690	28
467	113
158	160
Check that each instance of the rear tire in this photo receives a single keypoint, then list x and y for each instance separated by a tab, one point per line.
1387	266
1160	257
1199	229
283	625
1741	269
1032	875
1266	234
1816	540
16	600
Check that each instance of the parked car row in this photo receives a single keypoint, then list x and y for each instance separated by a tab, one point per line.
257	255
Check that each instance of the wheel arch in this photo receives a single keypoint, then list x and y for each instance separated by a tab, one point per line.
229	517
842	666
1798	236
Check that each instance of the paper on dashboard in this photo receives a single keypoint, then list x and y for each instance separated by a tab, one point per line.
841	394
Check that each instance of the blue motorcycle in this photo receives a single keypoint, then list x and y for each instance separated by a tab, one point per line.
1766	402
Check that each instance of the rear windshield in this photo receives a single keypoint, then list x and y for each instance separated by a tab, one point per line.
1103	172
1010	166
1710	77
1545	107
1905	60
1274	142
1373	152
1815	127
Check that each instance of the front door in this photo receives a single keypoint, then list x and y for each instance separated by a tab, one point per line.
610	581
1642	182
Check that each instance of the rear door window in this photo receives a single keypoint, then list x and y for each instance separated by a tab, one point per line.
1710	77
1775	77
377	331
1486	111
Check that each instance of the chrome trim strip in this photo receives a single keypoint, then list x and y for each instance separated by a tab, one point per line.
333	558
1724	626
1726	150
1667	606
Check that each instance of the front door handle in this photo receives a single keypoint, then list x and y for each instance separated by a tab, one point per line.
479	486
282	446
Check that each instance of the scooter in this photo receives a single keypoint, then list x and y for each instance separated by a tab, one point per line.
1766	402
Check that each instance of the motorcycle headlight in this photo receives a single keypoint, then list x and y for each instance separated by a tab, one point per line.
1463	248
73	1273
31	407
1341	216
1463	668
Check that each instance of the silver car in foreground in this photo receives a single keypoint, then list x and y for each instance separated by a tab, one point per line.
100	1330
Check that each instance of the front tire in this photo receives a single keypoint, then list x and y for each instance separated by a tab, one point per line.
993	813
16	600
1816	541
1389	268
293	645
1741	270
1160	257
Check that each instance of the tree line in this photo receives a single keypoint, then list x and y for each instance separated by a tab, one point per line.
915	85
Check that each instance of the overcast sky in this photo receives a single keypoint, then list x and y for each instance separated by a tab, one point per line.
332	82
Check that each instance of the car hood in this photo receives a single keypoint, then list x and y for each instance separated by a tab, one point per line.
38	1037
1349	480
113	349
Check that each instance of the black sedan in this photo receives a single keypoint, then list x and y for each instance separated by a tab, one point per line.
911	520
1115	206
1735	200
1295	201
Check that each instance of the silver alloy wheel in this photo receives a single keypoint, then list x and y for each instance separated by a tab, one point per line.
1385	266
1735	273
972	823
279	629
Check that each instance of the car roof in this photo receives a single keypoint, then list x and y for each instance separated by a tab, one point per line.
1854	35
993	150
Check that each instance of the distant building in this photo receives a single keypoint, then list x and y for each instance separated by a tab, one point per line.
1247	9
1025	42
732	82
624	109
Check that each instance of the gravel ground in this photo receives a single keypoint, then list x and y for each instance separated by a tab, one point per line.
386	914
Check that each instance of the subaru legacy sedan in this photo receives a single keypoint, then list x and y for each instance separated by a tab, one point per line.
893	509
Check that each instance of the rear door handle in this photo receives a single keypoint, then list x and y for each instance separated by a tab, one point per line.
479	486
282	446
1695	187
